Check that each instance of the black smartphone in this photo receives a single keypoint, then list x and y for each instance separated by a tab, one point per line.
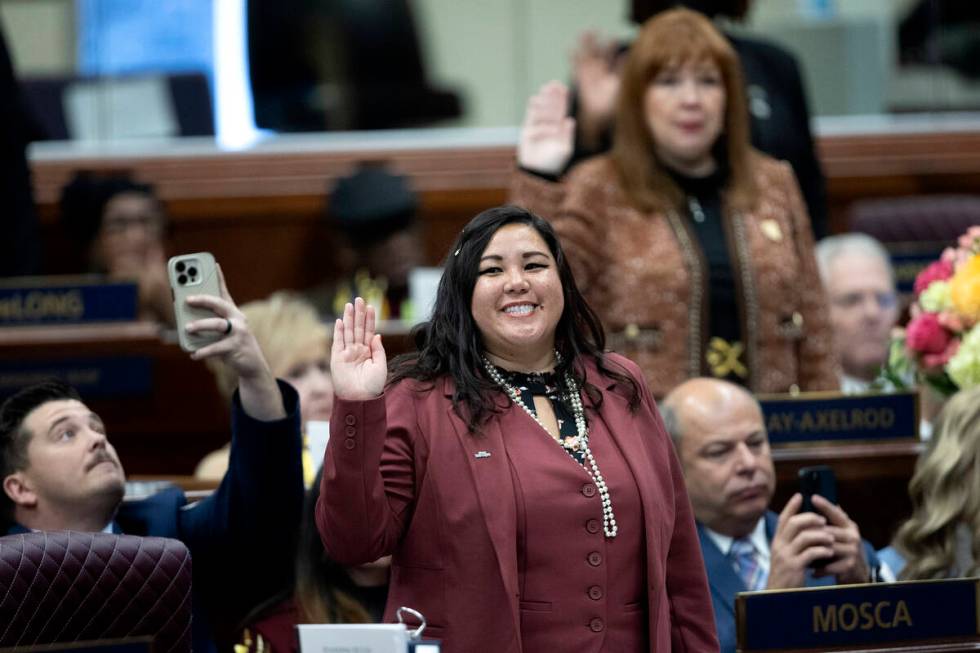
818	479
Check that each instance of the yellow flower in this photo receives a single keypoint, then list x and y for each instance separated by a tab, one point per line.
964	290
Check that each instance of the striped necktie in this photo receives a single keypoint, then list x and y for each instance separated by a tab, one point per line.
746	563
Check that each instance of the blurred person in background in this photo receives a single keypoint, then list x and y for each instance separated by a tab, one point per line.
779	118
942	537
120	226
694	249
857	274
297	346
373	210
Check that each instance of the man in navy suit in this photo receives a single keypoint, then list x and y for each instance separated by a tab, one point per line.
720	437
59	472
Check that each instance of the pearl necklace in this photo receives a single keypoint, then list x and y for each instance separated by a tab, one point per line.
569	445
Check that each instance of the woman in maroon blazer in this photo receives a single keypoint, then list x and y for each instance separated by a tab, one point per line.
521	478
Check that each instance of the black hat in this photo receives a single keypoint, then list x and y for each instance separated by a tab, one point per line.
371	204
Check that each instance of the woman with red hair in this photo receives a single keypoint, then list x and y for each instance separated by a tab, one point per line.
694	249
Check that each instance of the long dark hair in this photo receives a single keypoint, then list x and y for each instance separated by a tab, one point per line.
84	199
450	343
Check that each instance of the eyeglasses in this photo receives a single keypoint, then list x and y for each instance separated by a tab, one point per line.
885	300
119	224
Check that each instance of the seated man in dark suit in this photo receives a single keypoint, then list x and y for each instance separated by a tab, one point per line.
721	440
59	471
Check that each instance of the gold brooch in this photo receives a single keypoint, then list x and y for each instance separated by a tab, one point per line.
724	358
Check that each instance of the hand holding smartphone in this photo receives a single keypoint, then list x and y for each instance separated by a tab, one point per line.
818	479
193	274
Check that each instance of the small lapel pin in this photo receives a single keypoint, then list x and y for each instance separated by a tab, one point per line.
482	454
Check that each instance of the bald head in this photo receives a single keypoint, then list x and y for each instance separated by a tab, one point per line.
721	441
699	399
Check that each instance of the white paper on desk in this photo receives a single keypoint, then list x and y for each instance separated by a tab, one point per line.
317	436
423	284
109	109
353	638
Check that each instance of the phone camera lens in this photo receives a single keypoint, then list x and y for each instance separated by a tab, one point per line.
182	279
180	266
192	272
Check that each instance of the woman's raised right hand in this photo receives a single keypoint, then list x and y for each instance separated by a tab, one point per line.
358	364
548	134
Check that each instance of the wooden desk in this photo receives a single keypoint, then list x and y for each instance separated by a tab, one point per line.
872	481
165	431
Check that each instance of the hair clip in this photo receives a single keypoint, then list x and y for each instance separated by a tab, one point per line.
456	253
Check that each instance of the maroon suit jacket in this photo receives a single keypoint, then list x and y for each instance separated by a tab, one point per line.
402	477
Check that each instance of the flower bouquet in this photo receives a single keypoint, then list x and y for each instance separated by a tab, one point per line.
940	346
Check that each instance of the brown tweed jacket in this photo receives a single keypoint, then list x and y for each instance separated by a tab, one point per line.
645	275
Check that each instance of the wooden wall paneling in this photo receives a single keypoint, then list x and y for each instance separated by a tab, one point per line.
891	165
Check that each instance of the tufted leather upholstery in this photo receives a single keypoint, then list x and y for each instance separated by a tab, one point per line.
68	586
916	219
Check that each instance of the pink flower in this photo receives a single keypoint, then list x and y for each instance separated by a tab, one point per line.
936	361
970	239
925	335
951	321
938	271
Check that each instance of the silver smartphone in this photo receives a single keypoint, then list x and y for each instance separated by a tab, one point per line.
193	274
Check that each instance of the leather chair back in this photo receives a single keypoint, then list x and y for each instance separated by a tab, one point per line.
66	586
933	219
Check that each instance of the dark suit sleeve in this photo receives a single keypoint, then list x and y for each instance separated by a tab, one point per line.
782	130
805	164
242	537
